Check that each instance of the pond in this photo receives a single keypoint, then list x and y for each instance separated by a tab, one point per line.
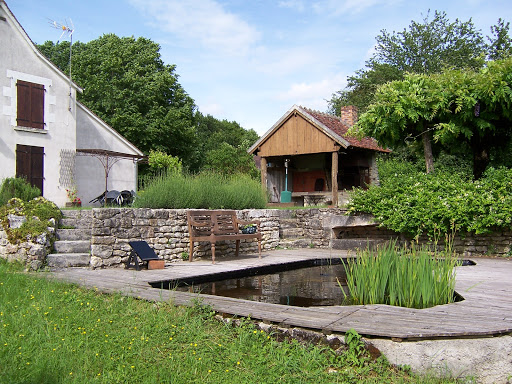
303	284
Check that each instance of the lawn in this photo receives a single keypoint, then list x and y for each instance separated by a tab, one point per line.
51	332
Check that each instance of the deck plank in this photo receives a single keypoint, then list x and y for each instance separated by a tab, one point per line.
486	288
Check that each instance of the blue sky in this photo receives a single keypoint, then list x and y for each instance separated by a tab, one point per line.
251	60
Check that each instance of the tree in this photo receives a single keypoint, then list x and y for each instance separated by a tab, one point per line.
500	44
426	47
456	108
127	84
230	160
222	142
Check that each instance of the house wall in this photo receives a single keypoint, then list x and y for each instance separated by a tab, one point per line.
296	136
19	60
92	133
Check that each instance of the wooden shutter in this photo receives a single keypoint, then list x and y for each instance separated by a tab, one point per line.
30	104
30	164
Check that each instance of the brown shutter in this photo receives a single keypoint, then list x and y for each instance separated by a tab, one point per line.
30	104
30	164
37	104
23	91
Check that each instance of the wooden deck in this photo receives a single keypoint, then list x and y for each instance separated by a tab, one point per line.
486	288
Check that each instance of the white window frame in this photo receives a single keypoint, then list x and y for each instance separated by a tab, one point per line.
11	109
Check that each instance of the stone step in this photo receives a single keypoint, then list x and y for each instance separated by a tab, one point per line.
289	233
72	246
75	223
67	260
295	243
352	244
74	234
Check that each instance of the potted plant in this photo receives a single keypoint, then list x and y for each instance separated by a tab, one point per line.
249	229
73	197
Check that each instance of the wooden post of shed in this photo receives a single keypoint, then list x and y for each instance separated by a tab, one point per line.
334	177
263	168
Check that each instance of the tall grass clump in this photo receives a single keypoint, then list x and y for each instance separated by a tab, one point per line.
405	277
17	187
203	191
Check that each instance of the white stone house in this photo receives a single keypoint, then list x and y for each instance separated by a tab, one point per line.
44	130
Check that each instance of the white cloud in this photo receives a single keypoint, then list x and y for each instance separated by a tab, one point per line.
296	5
213	109
335	7
313	95
203	21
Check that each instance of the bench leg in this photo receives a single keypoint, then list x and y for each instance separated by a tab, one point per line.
213	253
259	248
191	250
237	247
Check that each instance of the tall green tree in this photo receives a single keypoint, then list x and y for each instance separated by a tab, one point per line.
500	43
427	47
456	107
127	84
222	145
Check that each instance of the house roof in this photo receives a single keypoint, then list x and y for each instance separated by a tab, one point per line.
330	125
24	34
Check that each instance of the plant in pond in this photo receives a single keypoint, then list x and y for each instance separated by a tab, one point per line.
406	277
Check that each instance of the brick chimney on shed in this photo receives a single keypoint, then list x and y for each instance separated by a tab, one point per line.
348	115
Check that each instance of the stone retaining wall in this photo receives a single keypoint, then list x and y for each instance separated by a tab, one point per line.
32	253
167	233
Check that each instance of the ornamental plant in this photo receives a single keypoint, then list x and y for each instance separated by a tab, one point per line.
73	195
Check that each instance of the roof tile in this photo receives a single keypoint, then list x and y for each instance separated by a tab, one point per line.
334	124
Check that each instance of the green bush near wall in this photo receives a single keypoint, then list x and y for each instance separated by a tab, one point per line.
437	204
203	191
17	187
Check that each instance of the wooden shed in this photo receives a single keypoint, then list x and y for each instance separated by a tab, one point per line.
322	160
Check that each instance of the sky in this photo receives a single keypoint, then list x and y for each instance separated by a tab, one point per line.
250	61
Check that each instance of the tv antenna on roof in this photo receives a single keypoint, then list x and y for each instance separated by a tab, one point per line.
67	31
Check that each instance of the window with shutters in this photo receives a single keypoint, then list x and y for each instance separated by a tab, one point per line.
30	104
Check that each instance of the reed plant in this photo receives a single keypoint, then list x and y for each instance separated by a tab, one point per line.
414	277
202	191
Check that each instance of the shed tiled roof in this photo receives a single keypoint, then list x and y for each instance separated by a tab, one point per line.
334	124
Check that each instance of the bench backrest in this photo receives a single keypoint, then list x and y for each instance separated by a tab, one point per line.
216	222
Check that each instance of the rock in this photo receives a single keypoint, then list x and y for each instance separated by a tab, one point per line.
16	221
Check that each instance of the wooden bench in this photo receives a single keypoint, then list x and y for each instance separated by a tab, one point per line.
215	225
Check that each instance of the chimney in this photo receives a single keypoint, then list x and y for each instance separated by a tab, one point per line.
348	115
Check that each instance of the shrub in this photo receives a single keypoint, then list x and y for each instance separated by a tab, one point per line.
438	203
17	187
413	278
206	191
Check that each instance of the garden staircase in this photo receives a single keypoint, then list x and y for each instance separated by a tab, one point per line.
73	245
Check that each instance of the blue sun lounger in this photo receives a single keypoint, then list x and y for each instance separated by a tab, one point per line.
140	250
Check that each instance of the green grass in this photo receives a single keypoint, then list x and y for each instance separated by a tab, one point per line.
406	277
53	332
206	191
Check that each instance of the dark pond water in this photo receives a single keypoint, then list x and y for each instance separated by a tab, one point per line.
309	284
